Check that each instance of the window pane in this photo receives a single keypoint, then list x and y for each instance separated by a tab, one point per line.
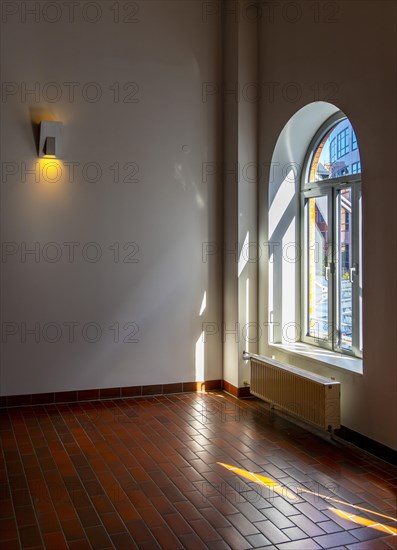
318	268
334	156
345	263
354	141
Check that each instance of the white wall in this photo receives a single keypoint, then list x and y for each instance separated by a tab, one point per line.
322	51
169	51
345	57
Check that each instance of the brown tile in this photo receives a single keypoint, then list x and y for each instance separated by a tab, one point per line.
271	532
307	544
8	529
81	544
188	511
65	396
25	516
172	388
98	537
131	391
369	545
109	393
244	392
213	385
189	386
151	517
122	541
113	523
335	539
102	503
42	398
49	523
72	529
55	540
154	389
139	532
294	533
234	539
229	388
242	524
10	545
88	517
166	538
30	536
88	395
21	497
216	519
205	530
178	525
308	526
18	400
126	511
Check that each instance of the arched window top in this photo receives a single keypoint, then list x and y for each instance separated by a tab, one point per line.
335	153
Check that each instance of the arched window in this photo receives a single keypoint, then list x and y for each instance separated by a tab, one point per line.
331	304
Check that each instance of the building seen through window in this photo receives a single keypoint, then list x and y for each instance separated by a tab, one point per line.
332	227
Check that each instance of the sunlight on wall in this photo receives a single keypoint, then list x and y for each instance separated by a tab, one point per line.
271	300
247	313
203	304
289	262
244	254
199	369
284	195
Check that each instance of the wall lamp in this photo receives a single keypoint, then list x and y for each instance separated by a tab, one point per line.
50	140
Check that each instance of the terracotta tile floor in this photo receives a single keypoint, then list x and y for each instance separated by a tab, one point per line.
149	473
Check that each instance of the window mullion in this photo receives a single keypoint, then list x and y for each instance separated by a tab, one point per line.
335	291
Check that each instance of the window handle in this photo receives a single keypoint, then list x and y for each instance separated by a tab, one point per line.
353	273
329	269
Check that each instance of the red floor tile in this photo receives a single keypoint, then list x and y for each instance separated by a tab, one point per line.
144	473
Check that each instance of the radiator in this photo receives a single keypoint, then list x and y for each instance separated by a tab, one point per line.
309	397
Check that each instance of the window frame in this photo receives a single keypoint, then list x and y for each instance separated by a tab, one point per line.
332	188
346	140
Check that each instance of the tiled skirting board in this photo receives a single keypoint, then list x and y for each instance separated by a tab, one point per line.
107	393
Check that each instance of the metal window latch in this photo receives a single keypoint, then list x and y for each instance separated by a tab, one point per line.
353	273
329	269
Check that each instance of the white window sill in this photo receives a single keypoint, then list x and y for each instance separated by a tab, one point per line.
329	358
